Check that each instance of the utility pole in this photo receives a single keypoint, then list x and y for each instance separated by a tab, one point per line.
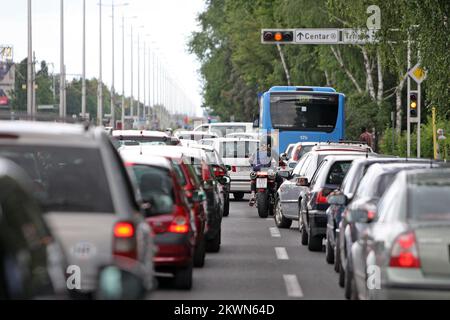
145	89
83	77
132	76
139	79
100	84
29	63
62	81
123	73
113	111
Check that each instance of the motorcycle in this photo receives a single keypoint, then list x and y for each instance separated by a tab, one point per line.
266	190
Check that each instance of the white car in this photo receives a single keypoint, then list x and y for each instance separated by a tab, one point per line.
235	153
224	128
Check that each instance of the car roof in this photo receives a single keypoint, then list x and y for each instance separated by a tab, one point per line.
236	139
228	123
134	133
198	133
134	156
321	147
48	132
177	152
343	157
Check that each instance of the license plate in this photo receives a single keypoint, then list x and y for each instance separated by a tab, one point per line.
261	183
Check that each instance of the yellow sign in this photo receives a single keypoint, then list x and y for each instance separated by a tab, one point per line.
418	73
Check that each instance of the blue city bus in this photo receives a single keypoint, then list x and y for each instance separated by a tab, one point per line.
302	114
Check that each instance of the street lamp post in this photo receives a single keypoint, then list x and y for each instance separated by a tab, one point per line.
62	81
100	84
83	84
123	73
29	63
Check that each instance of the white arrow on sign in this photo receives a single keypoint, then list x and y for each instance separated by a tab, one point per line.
317	36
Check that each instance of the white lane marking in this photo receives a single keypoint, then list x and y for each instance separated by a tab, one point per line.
274	232
281	253
269	219
292	286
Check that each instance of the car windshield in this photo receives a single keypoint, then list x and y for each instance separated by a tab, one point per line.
66	179
304	112
156	187
222	131
429	200
238	149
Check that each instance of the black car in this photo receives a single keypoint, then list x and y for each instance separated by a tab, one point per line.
220	172
372	186
32	262
313	204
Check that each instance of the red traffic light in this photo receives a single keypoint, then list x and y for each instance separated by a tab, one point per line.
275	36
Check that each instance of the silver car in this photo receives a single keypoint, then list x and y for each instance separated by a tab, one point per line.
88	199
290	190
404	251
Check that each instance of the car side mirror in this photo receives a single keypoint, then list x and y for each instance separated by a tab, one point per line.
116	283
292	164
361	215
146	208
199	196
285	174
302	182
337	199
224	180
228	168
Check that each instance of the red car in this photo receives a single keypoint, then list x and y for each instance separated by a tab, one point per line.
168	213
197	198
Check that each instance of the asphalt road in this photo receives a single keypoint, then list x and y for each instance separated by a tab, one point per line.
259	261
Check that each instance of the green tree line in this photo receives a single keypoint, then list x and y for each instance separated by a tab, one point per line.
235	66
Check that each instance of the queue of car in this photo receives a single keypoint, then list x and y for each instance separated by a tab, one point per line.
382	221
105	214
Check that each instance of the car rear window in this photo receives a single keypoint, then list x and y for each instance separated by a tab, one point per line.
66	179
238	149
429	202
179	173
337	172
156	186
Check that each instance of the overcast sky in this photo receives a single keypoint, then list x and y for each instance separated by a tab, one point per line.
168	22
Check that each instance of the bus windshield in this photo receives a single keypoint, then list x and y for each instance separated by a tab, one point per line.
304	111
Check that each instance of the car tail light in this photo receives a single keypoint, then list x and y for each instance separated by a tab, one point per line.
404	252
189	194
218	171
321	198
125	240
123	230
180	224
234	169
206	174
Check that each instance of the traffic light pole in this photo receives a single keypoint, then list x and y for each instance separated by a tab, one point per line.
408	102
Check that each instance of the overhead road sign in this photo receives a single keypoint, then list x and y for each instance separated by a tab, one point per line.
317	36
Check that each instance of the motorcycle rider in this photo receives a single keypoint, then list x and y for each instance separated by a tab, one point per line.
264	157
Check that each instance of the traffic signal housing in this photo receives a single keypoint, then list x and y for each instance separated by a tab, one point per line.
280	36
413	104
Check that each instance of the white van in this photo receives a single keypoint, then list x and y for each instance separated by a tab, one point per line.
224	128
235	153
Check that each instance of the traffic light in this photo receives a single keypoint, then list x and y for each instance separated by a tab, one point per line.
277	36
413	104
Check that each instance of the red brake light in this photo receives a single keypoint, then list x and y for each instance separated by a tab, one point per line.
218	171
234	169
129	164
321	198
179	225
123	230
404	252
